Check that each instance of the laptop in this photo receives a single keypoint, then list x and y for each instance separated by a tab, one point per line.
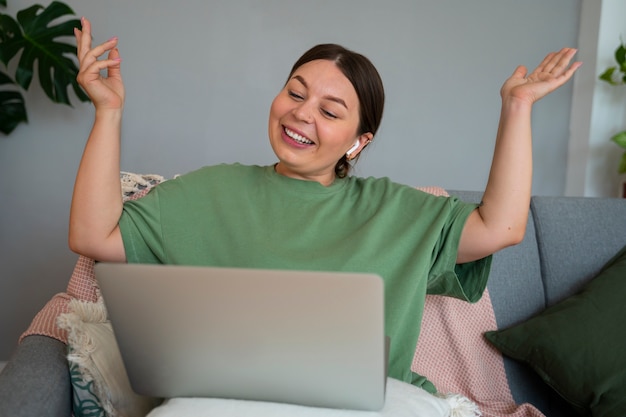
300	337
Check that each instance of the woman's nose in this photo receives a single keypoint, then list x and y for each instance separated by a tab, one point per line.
304	112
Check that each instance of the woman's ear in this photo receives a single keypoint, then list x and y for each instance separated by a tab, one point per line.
361	142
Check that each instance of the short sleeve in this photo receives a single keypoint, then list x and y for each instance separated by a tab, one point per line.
464	281
140	226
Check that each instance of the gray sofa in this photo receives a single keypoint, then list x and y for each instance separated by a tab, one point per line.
567	241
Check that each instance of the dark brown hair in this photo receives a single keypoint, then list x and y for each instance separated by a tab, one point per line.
364	78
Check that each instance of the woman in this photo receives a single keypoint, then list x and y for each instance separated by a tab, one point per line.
305	212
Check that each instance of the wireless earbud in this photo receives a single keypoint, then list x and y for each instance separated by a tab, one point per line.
354	148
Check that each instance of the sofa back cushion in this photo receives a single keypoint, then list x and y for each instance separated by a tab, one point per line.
576	237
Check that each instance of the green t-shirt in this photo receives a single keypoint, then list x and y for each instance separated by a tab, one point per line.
252	217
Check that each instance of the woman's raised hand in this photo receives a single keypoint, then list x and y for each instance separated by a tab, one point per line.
554	71
106	92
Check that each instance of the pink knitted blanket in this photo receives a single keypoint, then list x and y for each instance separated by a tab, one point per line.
454	355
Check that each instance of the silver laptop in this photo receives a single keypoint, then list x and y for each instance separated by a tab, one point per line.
309	338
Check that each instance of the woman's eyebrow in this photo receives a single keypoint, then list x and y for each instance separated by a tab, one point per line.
327	97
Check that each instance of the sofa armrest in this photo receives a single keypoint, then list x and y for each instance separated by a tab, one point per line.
36	380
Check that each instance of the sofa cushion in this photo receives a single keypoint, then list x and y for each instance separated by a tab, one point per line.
585	231
35	381
577	346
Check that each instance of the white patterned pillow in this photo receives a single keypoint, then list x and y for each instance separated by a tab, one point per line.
99	381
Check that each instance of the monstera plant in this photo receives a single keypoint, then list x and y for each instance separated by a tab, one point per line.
616	75
36	38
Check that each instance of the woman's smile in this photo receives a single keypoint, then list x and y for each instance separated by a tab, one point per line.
296	137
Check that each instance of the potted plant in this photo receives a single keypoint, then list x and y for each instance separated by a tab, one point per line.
34	37
616	75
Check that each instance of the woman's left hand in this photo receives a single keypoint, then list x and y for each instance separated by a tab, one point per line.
554	71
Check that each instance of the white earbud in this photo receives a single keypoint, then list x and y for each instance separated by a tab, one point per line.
354	148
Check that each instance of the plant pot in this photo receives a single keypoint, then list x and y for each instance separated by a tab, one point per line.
621	192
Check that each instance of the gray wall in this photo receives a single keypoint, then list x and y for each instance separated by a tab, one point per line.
200	76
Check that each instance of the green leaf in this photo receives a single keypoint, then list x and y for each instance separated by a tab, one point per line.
620	139
620	55
608	75
12	111
622	165
40	48
11	39
12	108
3	3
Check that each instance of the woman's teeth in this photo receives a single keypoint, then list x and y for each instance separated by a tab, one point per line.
298	138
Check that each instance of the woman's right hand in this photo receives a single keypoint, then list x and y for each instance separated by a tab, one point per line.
96	204
106	92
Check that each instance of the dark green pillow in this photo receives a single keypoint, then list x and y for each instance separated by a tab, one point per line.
578	346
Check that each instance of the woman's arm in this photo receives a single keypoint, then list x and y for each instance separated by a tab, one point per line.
500	220
97	200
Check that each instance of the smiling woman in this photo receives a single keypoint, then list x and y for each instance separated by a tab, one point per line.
331	108
319	218
313	123
305	212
